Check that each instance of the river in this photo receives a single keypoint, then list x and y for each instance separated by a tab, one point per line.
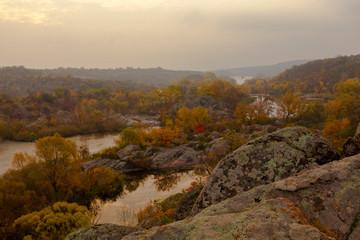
95	142
154	186
241	79
138	192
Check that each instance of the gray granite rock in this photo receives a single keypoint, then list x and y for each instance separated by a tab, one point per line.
101	232
264	160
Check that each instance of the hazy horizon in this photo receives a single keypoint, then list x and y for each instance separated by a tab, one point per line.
187	35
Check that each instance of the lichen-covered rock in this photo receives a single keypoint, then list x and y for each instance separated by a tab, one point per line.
320	203
272	219
101	232
186	203
264	160
178	156
352	145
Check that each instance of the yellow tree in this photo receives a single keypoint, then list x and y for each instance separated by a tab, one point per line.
256	112
61	163
290	107
348	97
163	97
189	119
336	130
163	136
54	222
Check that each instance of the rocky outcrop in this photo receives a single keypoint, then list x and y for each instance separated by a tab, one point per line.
173	157
214	135
204	101
131	119
150	222
352	145
264	160
117	165
132	158
321	203
186	203
101	231
130	151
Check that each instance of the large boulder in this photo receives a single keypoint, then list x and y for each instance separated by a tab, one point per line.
321	203
264	160
352	145
101	232
173	157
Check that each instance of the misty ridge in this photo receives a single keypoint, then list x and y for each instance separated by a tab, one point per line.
21	81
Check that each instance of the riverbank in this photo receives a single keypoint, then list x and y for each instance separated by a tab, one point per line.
94	142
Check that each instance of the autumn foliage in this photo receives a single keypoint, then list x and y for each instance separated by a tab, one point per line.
53	175
162	136
189	119
53	222
161	209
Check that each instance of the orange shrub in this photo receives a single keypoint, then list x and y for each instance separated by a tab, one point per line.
336	132
163	136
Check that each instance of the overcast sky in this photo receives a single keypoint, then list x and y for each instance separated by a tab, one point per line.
175	34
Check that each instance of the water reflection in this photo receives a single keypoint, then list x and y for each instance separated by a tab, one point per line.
142	188
133	181
126	216
165	182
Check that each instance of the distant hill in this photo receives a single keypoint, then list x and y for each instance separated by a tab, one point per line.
321	75
263	71
155	76
20	81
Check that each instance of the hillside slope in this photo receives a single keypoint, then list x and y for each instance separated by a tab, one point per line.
264	71
321	75
20	81
155	76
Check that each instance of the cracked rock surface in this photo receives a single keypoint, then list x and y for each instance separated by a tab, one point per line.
321	203
264	160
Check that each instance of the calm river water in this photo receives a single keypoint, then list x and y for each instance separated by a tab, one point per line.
123	210
94	142
138	194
